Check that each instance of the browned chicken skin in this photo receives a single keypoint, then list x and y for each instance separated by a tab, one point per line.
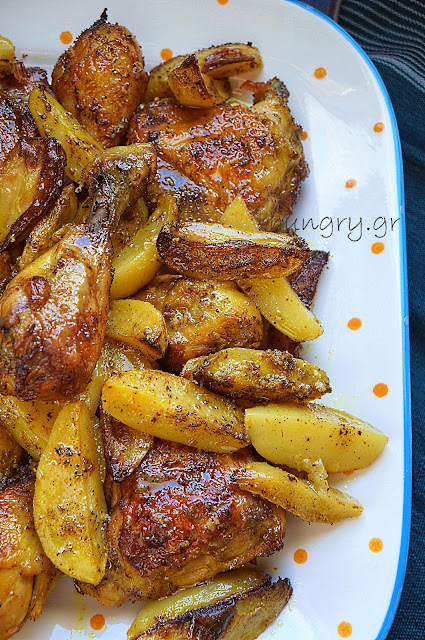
53	313
209	156
178	521
101	81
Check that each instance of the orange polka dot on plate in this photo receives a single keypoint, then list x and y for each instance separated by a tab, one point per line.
345	629
378	127
320	73
222	1
354	324
376	545
66	37
166	54
380	390
351	183
300	556
377	247
348	473
97	622
304	135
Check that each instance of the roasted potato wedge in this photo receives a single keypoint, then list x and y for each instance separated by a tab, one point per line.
29	423
169	617
275	298
281	306
137	263
138	324
296	495
69	505
258	376
100	80
219	62
42	237
31	179
125	447
192	88
202	317
115	357
211	251
237	216
297	436
241	617
7	50
53	121
175	409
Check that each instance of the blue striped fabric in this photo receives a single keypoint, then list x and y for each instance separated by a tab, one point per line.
392	32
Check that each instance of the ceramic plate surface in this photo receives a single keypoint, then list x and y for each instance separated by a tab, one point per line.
353	198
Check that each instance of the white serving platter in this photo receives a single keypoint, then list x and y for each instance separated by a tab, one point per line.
342	581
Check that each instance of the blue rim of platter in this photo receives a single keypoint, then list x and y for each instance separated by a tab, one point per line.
407	421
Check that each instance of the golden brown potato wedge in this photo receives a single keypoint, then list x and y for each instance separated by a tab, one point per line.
192	88
219	62
29	423
53	121
310	502
137	263
297	436
237	216
202	317
31	179
7	50
100	80
258	376
276	299
42	237
138	324
115	357
125	447
69	505
211	251
166	617
175	409
241	617
281	306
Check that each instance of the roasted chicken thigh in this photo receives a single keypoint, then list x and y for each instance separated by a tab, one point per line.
177	521
206	157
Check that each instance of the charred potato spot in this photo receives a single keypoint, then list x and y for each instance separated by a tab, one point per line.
102	69
219	63
30	181
212	251
191	88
